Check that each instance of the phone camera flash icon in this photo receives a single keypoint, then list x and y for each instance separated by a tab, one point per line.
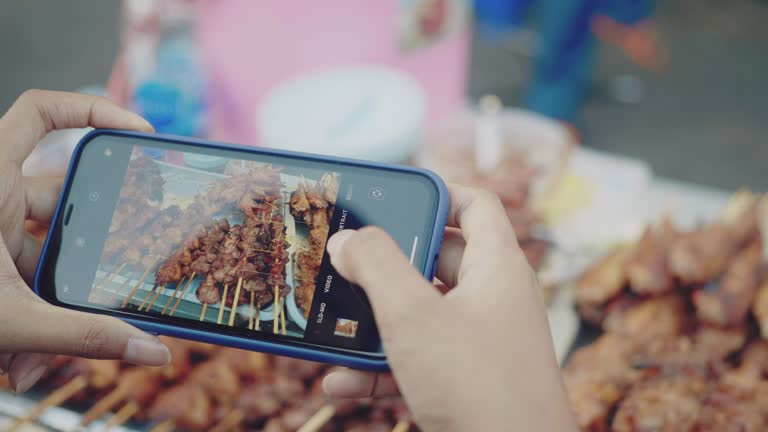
108	152
65	289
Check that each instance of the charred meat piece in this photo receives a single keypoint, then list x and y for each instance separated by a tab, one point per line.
186	404
329	186
727	302
601	282
647	268
258	402
596	378
140	384
760	308
670	404
299	204
170	271
245	363
218	379
208	292
719	342
660	317
101	374
702	255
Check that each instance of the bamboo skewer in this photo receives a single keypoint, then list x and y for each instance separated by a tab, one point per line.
139	284
402	426
166	426
108	279
122	415
319	419
57	397
202	312
258	316
235	302
275	315
250	315
148	297
109	273
173	296
183	292
229	422
282	314
103	405
223	305
152	303
120	288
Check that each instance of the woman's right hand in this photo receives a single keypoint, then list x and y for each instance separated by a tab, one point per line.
474	354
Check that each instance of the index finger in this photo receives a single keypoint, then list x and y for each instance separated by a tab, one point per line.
490	239
479	215
37	112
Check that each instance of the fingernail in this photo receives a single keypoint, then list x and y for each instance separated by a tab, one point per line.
146	351
28	379
339	384
144	124
337	241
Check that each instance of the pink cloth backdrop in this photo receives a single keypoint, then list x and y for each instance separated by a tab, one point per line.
250	46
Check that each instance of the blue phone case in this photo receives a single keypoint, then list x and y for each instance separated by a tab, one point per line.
338	358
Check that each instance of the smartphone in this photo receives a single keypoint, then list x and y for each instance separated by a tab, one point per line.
226	244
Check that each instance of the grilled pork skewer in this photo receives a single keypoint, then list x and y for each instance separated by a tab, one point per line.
165	235
122	415
57	397
140	385
256	250
226	263
78	375
136	385
176	269
205	256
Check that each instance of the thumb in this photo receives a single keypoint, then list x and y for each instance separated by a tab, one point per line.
43	328
399	294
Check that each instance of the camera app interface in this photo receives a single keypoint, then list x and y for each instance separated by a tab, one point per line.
239	245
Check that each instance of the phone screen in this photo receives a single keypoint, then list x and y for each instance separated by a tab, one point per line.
226	240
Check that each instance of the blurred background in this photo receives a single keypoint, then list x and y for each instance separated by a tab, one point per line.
700	117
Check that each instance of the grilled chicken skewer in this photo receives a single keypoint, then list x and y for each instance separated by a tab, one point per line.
647	267
700	256
760	306
314	206
601	283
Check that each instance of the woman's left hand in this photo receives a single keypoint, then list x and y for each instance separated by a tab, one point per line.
31	330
